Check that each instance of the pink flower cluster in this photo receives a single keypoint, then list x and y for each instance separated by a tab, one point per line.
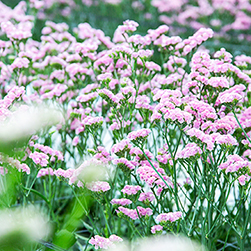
190	150
104	243
121	146
243	179
84	98
64	173
154	34
233	94
124	162
226	140
39	158
102	155
143	102
108	96
151	66
20	63
234	163
149	196
217	82
135	214
204	138
128	26
121	202
226	124
130	189
164	217
189	44
89	121
165	41
98	186
139	155
21	167
156	228
201	110
179	115
142	133
49	151
19	32
45	172
164	156
148	175
14	93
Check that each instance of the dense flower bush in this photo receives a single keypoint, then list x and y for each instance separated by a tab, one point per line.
138	147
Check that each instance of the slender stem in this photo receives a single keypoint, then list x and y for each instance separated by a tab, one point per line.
241	126
156	170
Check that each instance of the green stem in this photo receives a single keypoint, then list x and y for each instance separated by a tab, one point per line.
156	170
241	126
37	193
106	222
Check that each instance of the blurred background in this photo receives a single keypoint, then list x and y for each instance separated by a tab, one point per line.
230	20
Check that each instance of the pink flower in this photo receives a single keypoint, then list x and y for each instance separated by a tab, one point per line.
128	25
223	55
64	173
190	150
226	140
179	115
21	167
108	96
234	163
14	93
18	32
39	158
75	140
234	93
243	179
164	217
152	66
121	146
135	214
156	228
154	34
89	120
218	82
146	196
201	110
98	186
155	116
142	133
20	63
131	213
144	211
205	138
149	175
49	151
45	171
130	190
104	243
124	162
84	98
122	202
142	101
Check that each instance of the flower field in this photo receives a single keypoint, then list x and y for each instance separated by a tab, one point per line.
135	138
